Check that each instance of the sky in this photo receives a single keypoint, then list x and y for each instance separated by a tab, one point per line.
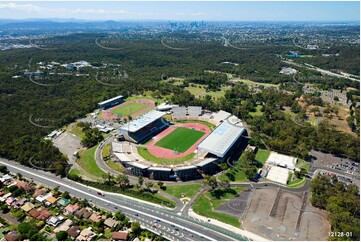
187	11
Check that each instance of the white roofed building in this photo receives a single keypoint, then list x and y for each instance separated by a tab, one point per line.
285	161
221	140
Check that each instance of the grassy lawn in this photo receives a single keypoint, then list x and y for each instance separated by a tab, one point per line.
258	111
74	171
297	183
77	131
128	109
188	190
114	165
200	90
234	175
180	139
262	155
143	152
303	164
209	201
88	163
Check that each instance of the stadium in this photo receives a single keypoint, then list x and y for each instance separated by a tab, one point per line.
179	143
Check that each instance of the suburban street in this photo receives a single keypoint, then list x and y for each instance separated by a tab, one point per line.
171	225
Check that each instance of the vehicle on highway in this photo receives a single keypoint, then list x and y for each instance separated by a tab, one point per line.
100	194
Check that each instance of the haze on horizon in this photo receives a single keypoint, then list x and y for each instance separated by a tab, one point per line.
184	11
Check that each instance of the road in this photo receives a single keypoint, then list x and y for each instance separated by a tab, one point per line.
172	225
322	71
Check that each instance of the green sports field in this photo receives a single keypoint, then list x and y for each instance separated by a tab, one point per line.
180	139
129	109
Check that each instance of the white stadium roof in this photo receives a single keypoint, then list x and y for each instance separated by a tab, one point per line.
142	121
221	115
122	157
278	174
282	160
221	139
110	100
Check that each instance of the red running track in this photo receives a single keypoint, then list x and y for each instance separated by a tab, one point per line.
107	115
166	153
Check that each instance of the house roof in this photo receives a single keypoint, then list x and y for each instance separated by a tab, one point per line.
51	199
12	236
72	208
63	201
39	192
123	235
110	222
74	231
28	206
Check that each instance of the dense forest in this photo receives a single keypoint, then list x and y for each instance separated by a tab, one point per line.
30	111
342	202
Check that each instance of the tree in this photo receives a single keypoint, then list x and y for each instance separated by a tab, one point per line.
140	181
61	235
223	166
210	181
4	169
161	184
123	181
135	228
225	183
119	216
149	184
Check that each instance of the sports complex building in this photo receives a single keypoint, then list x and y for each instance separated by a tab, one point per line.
184	145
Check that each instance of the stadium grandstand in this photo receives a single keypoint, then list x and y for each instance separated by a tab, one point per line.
194	111
179	112
111	102
222	139
142	128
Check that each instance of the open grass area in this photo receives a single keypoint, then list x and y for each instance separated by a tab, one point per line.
234	175
252	83
262	155
188	190
77	131
143	152
106	157
128	109
297	183
74	172
87	162
303	164
209	201
180	139
199	90
258	111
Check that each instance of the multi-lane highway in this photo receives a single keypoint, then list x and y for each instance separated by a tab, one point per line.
160	220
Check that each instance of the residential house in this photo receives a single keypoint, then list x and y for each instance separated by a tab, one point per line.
25	186
122	235
42	198
64	226
74	232
19	202
39	192
50	200
40	214
95	217
12	236
111	223
27	207
83	213
71	209
86	235
53	221
63	202
5	178
10	200
4	197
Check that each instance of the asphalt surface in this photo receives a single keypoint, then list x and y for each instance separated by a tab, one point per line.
171	225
